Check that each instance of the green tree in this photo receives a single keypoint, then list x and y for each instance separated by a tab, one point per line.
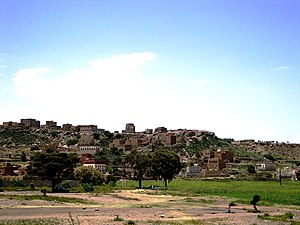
23	157
72	141
140	162
165	165
251	169
53	165
89	175
270	157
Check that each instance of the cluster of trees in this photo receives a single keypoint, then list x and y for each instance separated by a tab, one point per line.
55	166
163	164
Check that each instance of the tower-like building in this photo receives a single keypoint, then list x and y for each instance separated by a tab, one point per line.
130	128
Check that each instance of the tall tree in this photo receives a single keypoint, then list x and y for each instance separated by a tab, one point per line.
23	157
140	162
53	165
89	175
165	165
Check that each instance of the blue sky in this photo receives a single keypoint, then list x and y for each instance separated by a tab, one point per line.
231	67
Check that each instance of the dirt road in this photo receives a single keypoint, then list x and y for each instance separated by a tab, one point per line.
143	207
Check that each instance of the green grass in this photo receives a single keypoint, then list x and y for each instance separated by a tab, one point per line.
270	191
287	217
48	221
48	198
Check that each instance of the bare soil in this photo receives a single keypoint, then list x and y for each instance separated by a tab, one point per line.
140	206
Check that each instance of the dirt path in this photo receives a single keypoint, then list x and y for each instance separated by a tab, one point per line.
143	207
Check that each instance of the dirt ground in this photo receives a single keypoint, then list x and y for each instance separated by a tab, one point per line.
140	206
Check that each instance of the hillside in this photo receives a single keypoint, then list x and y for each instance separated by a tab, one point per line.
189	142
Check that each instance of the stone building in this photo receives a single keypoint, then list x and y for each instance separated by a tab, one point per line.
216	164
87	149
6	169
87	128
67	127
130	128
160	130
88	160
225	155
31	123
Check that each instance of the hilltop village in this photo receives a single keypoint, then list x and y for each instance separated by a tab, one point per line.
202	153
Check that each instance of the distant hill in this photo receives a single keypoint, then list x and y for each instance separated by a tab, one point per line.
189	142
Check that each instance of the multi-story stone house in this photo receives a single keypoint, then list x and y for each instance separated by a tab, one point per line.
216	164
12	124
123	144
167	138
129	128
33	123
88	160
225	155
160	130
6	169
87	149
87	128
67	127
51	125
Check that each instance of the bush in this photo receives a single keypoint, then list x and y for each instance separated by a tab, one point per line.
118	218
65	184
112	183
88	187
17	183
270	157
32	187
263	176
251	169
1	183
111	178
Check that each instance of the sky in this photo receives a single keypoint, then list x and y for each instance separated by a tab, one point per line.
226	66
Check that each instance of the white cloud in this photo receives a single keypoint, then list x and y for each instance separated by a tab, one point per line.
282	68
28	82
107	90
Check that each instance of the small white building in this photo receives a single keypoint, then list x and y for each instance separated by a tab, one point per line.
268	166
191	171
100	167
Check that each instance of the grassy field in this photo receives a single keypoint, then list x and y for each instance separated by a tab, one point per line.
240	191
47	198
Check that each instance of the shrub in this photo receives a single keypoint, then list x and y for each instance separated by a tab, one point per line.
112	183
110	178
32	187
118	218
88	187
270	157
17	183
251	169
65	184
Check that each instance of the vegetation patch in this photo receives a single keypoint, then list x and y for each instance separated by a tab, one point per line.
287	217
199	200
48	221
48	198
125	198
189	222
270	192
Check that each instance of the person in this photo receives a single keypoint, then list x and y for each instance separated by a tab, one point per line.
229	207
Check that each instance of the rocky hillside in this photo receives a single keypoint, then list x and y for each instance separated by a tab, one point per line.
191	142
